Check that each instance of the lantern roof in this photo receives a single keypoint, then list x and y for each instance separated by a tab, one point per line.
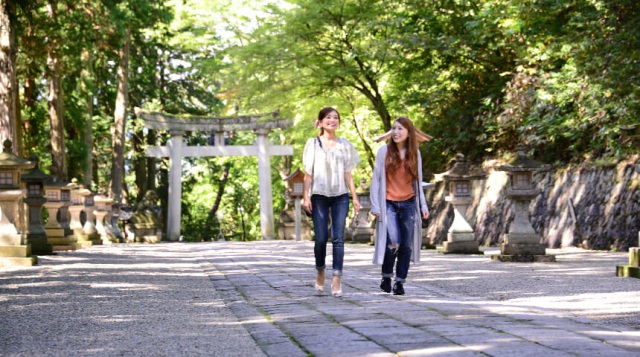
9	161
462	171
522	162
296	175
35	174
53	183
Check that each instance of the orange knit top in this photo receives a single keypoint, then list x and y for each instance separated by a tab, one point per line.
399	186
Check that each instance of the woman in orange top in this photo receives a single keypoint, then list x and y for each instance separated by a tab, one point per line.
398	202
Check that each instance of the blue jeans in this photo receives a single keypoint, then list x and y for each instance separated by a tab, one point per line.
321	208
401	217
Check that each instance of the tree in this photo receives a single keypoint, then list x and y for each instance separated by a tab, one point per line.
8	84
316	48
54	100
119	122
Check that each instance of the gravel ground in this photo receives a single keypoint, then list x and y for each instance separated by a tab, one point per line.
580	283
133	300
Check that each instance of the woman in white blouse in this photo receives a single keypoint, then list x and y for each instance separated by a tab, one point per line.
328	161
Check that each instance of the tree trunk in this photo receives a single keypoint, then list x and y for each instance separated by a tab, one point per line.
8	76
120	118
223	181
139	163
151	161
87	133
54	102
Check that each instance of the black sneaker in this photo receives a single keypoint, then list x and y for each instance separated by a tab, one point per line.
398	289
385	285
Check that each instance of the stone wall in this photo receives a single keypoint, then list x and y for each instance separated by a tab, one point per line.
606	203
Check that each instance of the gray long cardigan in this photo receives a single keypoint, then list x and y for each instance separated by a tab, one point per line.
378	195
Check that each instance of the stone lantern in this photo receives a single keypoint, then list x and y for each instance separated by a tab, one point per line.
522	243
426	241
631	133
34	183
362	228
78	195
58	197
13	249
298	226
145	223
460	237
89	225
115	220
102	212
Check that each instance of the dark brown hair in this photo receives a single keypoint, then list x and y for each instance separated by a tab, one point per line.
324	112
393	159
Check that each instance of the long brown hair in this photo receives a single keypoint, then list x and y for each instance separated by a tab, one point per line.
393	159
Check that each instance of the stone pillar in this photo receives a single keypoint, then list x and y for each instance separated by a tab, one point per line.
145	223
362	227
102	213
56	234
460	237
301	223
75	209
427	242
89	225
36	235
522	243
82	201
264	176
175	185
115	220
13	249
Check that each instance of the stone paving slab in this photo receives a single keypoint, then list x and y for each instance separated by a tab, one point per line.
257	298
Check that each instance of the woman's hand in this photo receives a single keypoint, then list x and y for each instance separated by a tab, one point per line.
306	204
356	205
425	214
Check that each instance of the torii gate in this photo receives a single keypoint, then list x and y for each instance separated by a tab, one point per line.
176	150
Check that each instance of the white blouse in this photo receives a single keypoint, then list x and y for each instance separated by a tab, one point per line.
328	166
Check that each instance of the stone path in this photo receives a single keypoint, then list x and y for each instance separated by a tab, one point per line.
250	299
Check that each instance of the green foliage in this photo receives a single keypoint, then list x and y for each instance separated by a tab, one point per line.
481	76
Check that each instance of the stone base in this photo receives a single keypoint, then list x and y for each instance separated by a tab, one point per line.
64	243
522	249
10	251
87	240
463	247
147	239
287	231
362	235
633	269
628	271
16	255
6	262
426	241
147	235
524	258
110	239
54	232
39	244
60	242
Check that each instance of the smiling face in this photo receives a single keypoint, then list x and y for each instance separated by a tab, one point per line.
331	121
399	133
